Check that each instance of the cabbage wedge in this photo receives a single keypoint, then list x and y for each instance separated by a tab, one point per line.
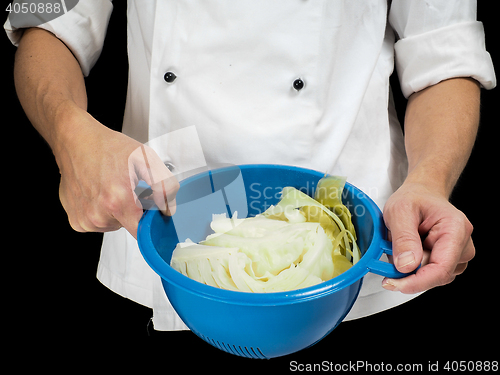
298	243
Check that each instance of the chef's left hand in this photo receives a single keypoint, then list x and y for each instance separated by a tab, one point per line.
415	212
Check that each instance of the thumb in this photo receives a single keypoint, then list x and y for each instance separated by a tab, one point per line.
146	165
406	243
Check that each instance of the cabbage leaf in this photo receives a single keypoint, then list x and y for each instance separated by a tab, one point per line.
298	243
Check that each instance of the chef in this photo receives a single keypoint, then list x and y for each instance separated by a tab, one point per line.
296	82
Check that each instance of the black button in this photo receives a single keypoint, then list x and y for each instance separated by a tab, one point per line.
169	77
298	84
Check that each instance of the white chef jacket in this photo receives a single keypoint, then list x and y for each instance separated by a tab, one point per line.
236	62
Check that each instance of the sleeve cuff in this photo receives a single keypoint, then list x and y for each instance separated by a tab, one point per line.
82	29
448	52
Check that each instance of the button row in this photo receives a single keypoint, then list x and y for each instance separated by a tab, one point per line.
298	84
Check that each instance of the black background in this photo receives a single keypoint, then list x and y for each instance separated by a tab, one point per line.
55	308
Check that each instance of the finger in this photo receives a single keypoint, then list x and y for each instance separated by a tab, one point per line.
145	164
425	278
93	222
124	210
75	212
440	270
164	193
468	251
84	216
461	267
68	207
130	221
467	255
406	243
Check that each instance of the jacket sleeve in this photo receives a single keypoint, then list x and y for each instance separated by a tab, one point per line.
438	40
82	29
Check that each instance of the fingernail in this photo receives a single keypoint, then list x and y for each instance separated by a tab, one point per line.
389	285
405	259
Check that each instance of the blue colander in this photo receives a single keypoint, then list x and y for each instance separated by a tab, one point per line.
258	325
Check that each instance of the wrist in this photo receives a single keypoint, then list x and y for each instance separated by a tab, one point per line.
73	128
433	177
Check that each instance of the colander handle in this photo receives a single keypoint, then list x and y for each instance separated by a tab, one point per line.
387	269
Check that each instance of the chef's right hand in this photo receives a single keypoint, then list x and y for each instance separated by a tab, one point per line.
100	169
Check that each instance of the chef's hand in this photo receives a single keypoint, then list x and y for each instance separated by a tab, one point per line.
100	169
414	212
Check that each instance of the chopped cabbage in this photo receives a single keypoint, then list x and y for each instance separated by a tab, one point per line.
298	243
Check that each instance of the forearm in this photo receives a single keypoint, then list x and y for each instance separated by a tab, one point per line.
49	84
98	166
441	126
440	129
